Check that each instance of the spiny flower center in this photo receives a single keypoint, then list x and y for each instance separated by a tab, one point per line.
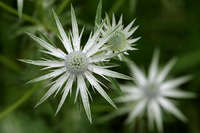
76	62
118	41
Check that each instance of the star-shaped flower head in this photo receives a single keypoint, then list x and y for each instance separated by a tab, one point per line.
75	65
150	93
122	40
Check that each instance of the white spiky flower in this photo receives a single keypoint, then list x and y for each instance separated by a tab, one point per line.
77	64
122	40
153	92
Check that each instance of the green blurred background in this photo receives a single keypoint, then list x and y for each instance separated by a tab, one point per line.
170	25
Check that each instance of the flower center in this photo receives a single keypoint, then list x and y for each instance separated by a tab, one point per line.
118	41
151	91
76	62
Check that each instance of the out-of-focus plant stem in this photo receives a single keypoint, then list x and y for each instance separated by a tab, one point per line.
62	6
98	15
116	6
19	102
24	16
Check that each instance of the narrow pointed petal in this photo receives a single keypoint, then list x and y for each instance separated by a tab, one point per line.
101	42
170	84
120	20
138	109
75	32
92	40
177	94
67	88
48	63
94	82
170	107
129	98
53	74
101	57
153	71
84	96
162	75
101	71
150	116
129	26
81	34
53	51
132	31
58	84
113	21
157	115
77	93
108	20
62	80
137	73
47	94
129	88
64	38
134	40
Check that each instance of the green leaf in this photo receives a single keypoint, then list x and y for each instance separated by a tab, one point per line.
18	102
98	15
25	17
20	7
9	63
187	61
116	6
116	113
62	6
132	6
31	29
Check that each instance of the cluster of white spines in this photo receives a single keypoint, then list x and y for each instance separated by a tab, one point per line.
75	64
122	40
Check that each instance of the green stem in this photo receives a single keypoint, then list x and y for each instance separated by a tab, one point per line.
62	6
19	102
24	16
116	6
13	11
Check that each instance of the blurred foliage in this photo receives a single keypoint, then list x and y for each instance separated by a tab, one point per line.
170	25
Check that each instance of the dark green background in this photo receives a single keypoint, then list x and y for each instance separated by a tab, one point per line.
173	26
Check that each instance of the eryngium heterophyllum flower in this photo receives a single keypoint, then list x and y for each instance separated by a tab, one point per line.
121	41
77	64
153	92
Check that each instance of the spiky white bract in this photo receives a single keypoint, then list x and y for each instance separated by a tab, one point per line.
122	40
153	92
75	65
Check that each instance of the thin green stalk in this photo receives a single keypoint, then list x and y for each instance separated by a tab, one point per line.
19	102
24	16
13	11
98	15
62	6
116	6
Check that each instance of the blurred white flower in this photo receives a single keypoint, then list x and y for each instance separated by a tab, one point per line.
153	92
121	41
77	64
